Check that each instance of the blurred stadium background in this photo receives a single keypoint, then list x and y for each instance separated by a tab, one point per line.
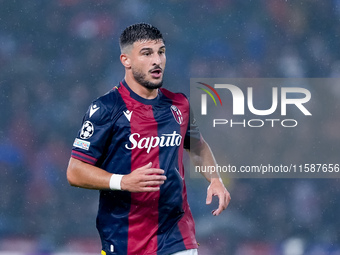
57	56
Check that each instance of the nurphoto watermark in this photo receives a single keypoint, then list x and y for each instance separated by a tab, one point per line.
269	128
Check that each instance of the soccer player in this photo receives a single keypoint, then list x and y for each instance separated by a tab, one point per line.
130	147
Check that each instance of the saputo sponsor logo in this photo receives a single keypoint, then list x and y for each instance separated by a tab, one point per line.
165	140
294	96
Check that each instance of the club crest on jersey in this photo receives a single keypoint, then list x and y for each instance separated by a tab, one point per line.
177	114
87	130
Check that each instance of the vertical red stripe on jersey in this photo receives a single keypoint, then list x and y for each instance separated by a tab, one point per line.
143	215
186	225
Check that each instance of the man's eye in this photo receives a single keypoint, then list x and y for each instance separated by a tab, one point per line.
146	53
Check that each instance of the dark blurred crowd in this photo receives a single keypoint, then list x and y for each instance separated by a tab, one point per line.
57	56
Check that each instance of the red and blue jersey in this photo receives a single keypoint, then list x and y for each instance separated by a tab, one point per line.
121	132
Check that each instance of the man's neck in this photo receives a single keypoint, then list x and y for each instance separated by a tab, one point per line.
139	89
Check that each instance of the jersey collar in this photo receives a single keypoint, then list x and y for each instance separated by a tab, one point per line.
139	98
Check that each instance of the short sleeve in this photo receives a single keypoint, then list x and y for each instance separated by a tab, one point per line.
92	138
193	138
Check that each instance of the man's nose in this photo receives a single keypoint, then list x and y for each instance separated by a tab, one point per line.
157	59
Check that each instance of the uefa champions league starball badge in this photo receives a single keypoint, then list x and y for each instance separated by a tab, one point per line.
87	130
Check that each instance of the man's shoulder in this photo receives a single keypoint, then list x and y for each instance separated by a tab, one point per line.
102	109
175	96
109	99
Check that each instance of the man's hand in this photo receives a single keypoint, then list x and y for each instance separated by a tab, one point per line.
216	188
143	179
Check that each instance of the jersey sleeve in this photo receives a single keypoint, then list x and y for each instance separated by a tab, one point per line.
92	138
193	138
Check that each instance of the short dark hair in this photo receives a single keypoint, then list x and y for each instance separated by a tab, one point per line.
138	32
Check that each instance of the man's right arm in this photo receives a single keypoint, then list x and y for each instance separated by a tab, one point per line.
143	179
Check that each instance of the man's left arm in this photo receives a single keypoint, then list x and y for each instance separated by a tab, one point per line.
203	156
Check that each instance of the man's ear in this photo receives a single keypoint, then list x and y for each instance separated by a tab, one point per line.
124	58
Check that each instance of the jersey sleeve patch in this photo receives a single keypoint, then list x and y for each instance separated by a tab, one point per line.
81	144
96	130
